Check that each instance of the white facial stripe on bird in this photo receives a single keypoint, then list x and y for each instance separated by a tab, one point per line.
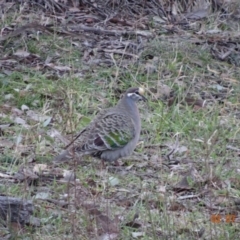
130	94
135	96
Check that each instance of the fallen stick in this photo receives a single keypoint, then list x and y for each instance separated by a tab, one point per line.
16	209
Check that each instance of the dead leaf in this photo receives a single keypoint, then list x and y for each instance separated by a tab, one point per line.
183	184
5	126
38	168
53	133
6	143
187	101
24	107
2	175
25	174
145	33
42	195
20	121
37	116
58	68
9	96
113	181
138	234
21	53
161	189
89	20
161	90
108	236
105	224
175	206
68	175
73	9
196	15
16	111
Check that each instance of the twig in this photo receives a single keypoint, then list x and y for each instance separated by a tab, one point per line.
111	33
119	52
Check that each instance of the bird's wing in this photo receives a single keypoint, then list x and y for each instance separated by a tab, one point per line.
112	131
78	140
108	131
80	137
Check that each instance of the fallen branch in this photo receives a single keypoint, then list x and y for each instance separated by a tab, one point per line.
120	52
111	33
15	209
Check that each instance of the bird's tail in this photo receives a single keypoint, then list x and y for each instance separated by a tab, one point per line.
63	157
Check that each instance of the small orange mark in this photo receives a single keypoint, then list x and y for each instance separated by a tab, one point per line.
215	218
230	218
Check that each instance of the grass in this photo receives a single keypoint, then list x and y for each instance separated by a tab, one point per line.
148	193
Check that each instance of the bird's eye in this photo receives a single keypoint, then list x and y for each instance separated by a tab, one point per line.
137	92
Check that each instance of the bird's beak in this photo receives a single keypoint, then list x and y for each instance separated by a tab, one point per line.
144	99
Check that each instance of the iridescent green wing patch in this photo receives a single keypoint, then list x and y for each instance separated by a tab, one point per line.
117	139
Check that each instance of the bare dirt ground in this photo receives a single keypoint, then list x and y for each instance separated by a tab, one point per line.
62	61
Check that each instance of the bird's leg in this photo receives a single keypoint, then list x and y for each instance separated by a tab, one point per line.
116	163
103	166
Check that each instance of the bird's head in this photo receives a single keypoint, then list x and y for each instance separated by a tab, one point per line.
136	94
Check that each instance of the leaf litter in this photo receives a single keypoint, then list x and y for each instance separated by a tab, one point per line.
107	35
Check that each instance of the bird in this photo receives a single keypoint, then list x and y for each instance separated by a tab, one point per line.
112	134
